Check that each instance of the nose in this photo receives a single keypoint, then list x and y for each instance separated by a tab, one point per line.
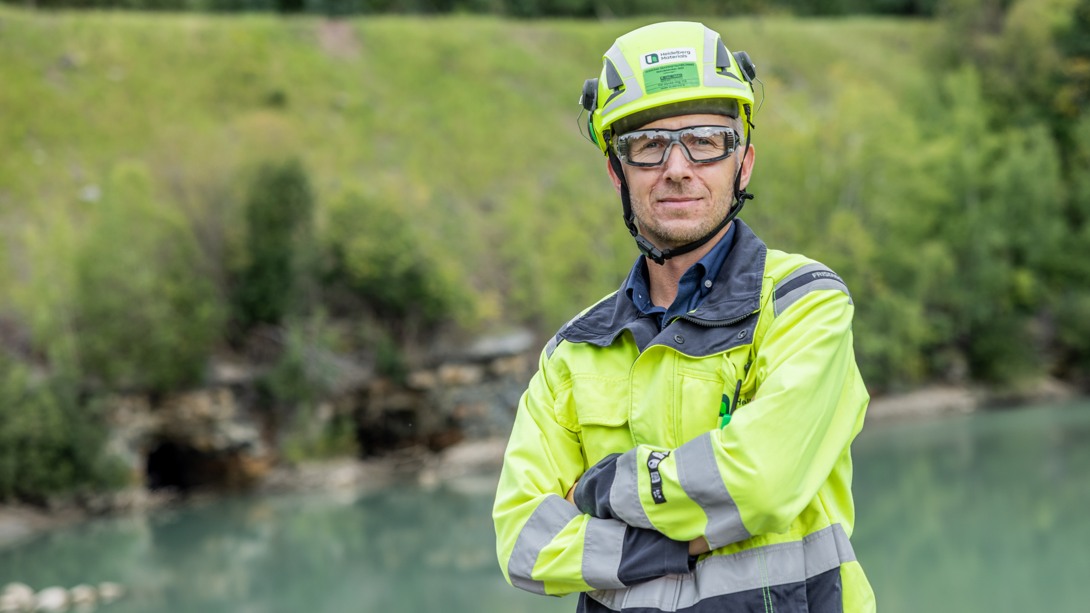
677	166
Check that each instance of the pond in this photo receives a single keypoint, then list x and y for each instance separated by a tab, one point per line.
981	512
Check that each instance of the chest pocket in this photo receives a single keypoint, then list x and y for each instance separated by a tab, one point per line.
704	384
600	407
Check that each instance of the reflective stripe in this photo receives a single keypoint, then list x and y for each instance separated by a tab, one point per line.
632	90
806	279
699	477
551	346
603	547
778	564
712	78
624	496
547	520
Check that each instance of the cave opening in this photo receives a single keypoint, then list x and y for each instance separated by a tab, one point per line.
181	467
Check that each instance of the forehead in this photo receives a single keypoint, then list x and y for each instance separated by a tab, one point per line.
686	121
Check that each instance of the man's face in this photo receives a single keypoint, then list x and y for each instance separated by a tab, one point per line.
680	201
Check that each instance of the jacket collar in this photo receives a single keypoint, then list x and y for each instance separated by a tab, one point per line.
735	295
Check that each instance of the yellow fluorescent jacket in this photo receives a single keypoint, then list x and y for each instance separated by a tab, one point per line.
770	491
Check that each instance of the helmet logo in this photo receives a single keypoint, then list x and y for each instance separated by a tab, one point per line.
669	56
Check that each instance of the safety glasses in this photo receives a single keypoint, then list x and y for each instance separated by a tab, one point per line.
701	144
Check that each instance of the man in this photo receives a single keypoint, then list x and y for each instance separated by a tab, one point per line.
684	445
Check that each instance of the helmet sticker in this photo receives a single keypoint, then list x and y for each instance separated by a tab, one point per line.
670	69
670	76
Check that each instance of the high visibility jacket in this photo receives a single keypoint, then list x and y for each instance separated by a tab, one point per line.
635	411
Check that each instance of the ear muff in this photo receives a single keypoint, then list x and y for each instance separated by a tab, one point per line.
589	100
590	95
749	70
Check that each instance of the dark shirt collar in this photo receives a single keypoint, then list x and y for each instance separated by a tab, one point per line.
734	299
693	287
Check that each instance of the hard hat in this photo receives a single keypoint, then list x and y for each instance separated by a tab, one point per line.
667	69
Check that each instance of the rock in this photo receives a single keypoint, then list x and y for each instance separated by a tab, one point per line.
51	599
491	347
471	458
460	374
109	592
512	366
225	372
83	595
8	604
422	380
926	402
17	597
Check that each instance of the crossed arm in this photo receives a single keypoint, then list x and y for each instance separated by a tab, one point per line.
697	546
753	477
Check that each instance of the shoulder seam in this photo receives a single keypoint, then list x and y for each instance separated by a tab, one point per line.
551	346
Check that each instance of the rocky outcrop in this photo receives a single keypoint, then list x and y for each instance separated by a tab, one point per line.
191	439
227	436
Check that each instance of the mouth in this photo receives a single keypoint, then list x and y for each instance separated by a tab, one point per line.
679	200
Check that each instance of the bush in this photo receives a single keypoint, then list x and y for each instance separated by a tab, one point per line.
375	257
146	314
49	443
298	385
305	371
278	226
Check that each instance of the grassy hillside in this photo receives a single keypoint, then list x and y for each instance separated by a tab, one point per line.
467	126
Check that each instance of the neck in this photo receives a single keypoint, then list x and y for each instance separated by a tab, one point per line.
663	279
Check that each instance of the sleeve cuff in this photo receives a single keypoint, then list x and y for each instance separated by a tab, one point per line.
649	555
592	492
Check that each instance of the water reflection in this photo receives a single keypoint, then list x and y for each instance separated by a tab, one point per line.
977	513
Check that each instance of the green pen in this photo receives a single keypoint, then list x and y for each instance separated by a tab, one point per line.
725	410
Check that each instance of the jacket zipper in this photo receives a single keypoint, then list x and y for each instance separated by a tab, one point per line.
715	323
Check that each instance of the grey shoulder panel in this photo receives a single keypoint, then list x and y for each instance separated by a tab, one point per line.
550	347
806	279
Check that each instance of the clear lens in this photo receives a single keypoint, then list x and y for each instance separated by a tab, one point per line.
702	144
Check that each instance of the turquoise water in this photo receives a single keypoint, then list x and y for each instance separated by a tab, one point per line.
985	512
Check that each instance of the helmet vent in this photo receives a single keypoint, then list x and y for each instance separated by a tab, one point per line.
722	57
613	78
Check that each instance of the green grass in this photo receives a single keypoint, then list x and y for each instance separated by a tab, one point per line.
468	125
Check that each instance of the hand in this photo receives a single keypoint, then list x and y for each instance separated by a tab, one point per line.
571	493
698	546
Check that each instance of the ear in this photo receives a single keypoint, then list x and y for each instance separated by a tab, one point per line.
613	177
747	167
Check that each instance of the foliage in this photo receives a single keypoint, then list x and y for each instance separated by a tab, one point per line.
377	257
1034	66
144	313
279	209
516	8
50	442
305	370
297	384
450	186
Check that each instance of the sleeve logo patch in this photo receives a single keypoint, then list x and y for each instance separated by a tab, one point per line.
653	462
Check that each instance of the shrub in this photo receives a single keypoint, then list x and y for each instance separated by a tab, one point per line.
298	386
278	225
49	443
376	257
146	314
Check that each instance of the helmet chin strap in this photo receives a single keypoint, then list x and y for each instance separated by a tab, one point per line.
645	246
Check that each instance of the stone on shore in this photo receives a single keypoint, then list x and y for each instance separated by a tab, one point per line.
16	597
52	599
109	592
